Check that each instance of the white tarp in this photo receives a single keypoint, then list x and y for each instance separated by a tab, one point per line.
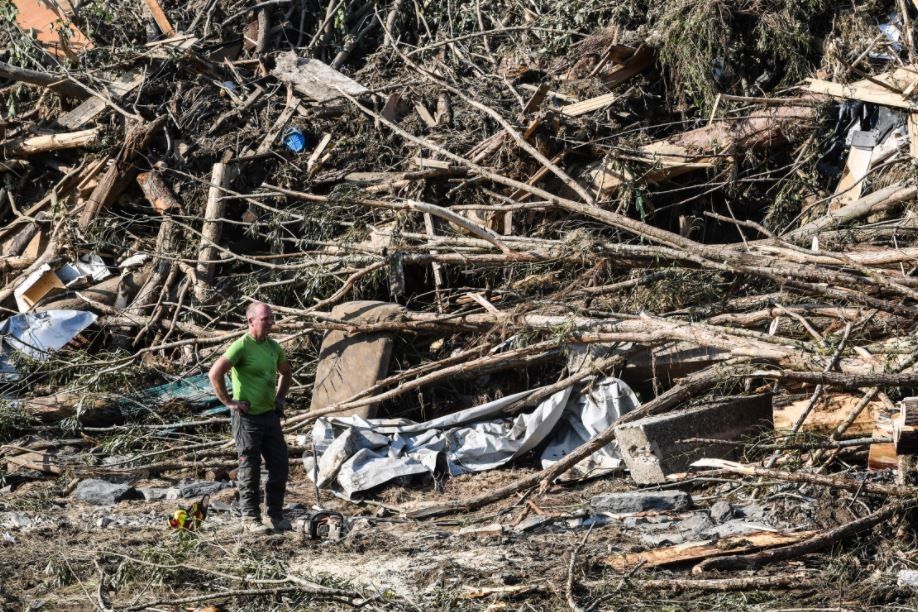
358	454
39	334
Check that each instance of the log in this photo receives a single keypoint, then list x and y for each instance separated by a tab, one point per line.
835	482
701	550
157	192
121	172
211	231
32	145
60	85
905	427
878	201
91	411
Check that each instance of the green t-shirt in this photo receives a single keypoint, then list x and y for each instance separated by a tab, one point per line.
255	371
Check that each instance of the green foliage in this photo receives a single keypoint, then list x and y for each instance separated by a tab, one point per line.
13	421
708	46
58	573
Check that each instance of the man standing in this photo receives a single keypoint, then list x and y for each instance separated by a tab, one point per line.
261	377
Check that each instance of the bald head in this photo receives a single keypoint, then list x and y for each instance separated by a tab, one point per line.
254	308
260	319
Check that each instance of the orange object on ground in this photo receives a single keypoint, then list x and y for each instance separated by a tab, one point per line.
51	27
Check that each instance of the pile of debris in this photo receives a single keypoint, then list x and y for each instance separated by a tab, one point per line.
602	244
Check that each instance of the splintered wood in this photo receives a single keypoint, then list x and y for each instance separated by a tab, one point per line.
692	552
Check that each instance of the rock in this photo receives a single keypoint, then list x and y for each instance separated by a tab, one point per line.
732	528
907	578
651	449
494	530
19	521
154	493
656	540
102	493
103	522
695	524
640	501
219	506
531	523
721	511
753	512
200	488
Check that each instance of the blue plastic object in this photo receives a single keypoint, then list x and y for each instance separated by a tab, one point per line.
295	140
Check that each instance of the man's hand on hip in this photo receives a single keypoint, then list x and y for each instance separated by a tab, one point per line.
240	407
279	405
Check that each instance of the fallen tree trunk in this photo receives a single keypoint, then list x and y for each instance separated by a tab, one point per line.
92	411
33	145
62	86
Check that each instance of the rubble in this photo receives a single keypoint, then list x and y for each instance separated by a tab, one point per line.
524	260
656	446
640	501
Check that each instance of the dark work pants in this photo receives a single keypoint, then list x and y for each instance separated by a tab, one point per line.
256	437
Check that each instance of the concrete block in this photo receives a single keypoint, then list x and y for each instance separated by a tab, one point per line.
649	445
352	362
640	501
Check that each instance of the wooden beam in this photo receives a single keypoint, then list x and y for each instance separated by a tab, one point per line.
864	93
586	106
160	18
706	549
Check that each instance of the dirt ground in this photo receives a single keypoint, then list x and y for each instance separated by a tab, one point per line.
59	553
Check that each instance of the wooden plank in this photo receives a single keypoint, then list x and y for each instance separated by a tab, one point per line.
313	160
829	412
160	18
313	79
705	549
93	106
483	302
438	164
40	462
882	456
582	108
642	58
425	115
535	101
860	92
275	130
701	147
851	184
913	134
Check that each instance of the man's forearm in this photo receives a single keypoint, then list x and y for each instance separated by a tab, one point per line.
219	385
283	385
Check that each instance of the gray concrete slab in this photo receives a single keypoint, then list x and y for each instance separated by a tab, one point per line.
650	447
351	362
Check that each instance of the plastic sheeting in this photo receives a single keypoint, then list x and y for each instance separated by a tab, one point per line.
38	334
357	454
